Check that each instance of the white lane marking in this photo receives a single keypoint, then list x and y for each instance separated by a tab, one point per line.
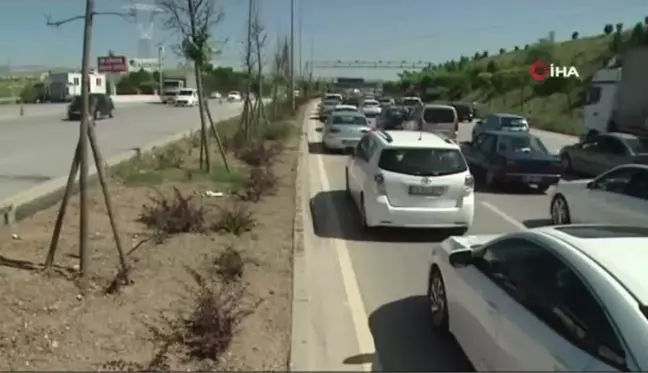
503	215
354	298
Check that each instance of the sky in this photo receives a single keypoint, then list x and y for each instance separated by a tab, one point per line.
367	30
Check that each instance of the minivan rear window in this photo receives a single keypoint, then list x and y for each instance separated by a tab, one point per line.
439	115
422	161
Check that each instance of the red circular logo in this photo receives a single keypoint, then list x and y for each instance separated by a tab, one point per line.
539	70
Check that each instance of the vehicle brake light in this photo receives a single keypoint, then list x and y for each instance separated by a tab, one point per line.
380	185
469	184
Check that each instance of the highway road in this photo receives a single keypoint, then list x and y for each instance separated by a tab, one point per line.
39	148
367	292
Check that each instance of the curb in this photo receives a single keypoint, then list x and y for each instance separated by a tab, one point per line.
298	355
42	196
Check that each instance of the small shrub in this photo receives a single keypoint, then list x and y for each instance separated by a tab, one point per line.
210	328
172	156
261	182
229	265
235	219
172	215
258	153
276	131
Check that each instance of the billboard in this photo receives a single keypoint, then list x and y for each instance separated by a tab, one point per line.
146	64
112	64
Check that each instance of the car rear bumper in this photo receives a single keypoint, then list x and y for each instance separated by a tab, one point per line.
340	143
524	178
381	213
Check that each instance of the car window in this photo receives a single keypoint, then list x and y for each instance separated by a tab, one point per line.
439	115
637	144
610	145
422	161
462	109
512	122
330	102
637	187
411	102
615	181
555	294
521	144
488	143
362	150
348	120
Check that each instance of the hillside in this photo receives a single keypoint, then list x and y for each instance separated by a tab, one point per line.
502	83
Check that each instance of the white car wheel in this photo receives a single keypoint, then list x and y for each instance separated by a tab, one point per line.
438	301
560	211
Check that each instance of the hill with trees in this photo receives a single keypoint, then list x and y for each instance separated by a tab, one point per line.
502	83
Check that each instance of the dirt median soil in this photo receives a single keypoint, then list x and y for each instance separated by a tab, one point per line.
48	325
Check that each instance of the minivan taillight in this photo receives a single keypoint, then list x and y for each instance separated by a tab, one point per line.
469	184
380	185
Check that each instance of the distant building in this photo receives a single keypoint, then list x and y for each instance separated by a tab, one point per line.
64	86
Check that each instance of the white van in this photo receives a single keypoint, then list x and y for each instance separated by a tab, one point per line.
435	118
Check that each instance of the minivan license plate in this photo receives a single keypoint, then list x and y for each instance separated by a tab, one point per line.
426	190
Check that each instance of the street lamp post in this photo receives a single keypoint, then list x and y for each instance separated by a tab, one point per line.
292	53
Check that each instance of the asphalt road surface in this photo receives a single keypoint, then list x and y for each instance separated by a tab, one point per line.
39	148
375	285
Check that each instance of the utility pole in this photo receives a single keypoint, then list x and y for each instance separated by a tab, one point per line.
299	38
160	76
292	53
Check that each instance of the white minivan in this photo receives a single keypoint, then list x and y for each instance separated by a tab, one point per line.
435	118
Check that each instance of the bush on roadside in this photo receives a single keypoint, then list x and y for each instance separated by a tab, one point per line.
259	153
173	214
208	331
277	131
172	156
229	265
261	181
235	219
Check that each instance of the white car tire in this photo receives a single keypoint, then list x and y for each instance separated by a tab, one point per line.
438	302
559	211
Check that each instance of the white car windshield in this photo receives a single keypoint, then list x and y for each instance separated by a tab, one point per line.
186	92
522	144
370	103
352	120
233	93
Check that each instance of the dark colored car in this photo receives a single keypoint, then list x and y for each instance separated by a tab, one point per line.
392	118
465	112
512	158
603	152
101	105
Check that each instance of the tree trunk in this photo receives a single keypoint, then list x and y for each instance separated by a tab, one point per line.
203	123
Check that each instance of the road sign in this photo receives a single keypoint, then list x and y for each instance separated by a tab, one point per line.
112	64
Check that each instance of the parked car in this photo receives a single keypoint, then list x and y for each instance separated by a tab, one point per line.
101	105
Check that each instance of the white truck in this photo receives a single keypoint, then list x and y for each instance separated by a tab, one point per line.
617	98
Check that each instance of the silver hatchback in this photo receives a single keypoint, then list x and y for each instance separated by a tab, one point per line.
343	130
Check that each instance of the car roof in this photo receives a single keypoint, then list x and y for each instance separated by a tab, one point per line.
438	106
345	106
507	115
622	251
414	139
510	133
350	113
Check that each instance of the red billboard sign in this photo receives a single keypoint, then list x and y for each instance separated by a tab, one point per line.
112	64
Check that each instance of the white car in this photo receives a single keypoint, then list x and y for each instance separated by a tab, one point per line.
370	108
618	196
234	96
186	97
345	108
411	179
561	298
343	130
